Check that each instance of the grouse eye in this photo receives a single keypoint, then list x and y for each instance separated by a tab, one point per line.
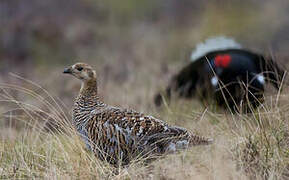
79	68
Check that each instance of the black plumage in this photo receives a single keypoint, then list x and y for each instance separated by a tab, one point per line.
233	77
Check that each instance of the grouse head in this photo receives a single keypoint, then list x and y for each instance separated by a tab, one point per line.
81	71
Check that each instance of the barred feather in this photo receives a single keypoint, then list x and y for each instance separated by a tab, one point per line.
120	135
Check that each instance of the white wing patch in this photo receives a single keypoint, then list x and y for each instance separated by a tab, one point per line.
261	78
214	81
214	44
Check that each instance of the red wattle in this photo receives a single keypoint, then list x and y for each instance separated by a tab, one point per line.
223	60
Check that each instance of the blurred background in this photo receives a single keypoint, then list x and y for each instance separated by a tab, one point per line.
135	46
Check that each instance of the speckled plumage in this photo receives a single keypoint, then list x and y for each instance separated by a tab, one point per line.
120	135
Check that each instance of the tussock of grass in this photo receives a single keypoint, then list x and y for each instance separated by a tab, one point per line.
245	145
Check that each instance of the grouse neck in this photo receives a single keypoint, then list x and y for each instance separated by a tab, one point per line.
88	96
85	103
89	88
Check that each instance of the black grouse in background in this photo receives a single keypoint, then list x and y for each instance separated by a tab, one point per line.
222	70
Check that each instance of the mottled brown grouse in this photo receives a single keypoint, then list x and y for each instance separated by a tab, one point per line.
120	135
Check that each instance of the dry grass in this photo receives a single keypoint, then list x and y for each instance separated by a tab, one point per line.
135	58
252	146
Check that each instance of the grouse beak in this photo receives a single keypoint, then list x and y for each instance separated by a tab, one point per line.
67	71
